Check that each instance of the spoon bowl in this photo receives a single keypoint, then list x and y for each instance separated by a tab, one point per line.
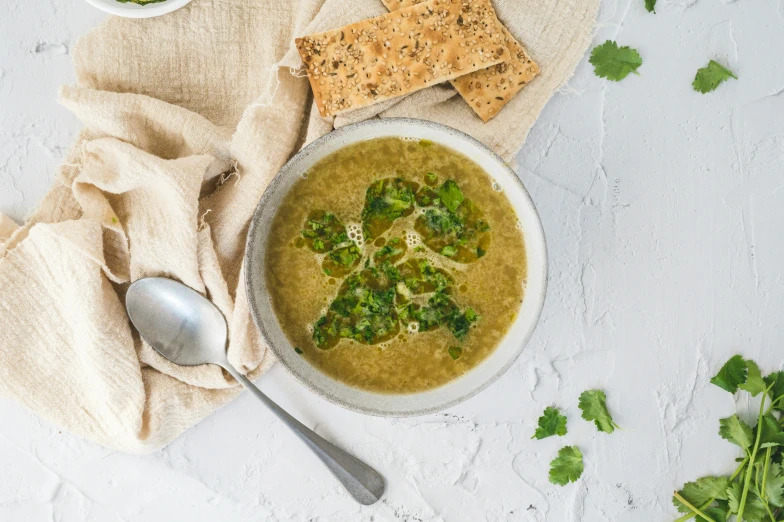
177	321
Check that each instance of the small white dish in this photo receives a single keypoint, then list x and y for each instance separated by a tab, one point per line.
465	386
131	10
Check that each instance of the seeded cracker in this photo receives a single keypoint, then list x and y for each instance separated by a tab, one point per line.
400	52
488	90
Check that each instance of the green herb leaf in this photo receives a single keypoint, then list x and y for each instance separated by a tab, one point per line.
451	195
732	374
650	6
755	508
754	384
711	76
772	434
567	466
717	514
736	431
594	408
614	63
550	423
448	251
298	349
323	231
431	179
774	485
455	352
385	201
702	490
777	390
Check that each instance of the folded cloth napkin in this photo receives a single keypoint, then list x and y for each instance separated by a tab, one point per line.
187	118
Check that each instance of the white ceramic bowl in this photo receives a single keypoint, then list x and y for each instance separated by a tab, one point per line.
131	10
466	385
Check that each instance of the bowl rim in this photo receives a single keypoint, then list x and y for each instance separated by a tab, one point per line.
252	237
131	10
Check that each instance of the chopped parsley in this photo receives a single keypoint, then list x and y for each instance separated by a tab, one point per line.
451	224
388	290
341	261
323	231
364	310
455	352
450	195
385	201
391	252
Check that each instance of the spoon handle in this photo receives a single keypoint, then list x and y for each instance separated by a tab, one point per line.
362	482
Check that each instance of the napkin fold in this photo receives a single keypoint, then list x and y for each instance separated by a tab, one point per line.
187	118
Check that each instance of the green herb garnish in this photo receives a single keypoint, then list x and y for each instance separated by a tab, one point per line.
614	63
755	490
455	352
323	231
452	225
385	201
550	423
392	252
341	261
594	408
711	76
567	467
450	195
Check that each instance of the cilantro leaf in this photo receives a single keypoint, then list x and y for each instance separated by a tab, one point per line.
777	390
774	486
650	6
717	514
550	423
567	466
702	490
755	508
772	434
614	63
732	374
754	384
451	195
709	77
594	408
736	431
455	352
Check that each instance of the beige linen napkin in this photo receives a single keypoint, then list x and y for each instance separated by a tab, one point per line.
212	91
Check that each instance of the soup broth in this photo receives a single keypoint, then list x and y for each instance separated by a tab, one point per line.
395	265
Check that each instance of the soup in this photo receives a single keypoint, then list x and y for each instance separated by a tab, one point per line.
395	265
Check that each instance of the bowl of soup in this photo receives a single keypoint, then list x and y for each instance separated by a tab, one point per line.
396	267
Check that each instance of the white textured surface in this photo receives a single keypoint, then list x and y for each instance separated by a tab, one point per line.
663	211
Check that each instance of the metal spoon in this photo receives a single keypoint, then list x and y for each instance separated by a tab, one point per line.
187	329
